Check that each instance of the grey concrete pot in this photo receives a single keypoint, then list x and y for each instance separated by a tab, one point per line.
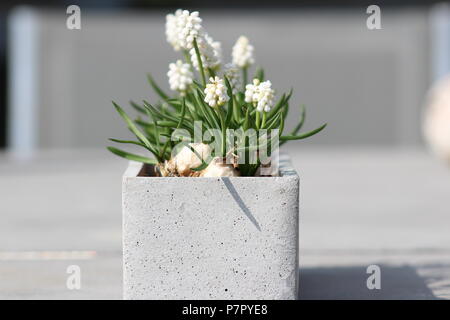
210	238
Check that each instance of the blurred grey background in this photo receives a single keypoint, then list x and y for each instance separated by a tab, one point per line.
369	85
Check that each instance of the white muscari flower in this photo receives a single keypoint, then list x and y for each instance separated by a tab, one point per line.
233	74
216	92
172	30
250	91
243	52
260	94
180	76
210	53
182	27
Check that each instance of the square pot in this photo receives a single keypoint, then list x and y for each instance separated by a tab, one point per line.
210	238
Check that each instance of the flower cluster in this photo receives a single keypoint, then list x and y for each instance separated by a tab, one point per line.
260	94
214	97
210	53
243	53
182	28
180	76
216	92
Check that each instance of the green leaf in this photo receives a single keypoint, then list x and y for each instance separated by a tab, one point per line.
200	64
281	128
157	89
183	113
131	156
128	142
164	116
274	121
246	125
201	167
301	122
167	124
303	135
237	112
211	116
157	137
198	85
260	74
230	104
132	127
137	107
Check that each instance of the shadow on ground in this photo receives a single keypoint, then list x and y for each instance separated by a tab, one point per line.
334	283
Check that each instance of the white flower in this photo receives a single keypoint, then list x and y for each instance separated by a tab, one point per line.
233	74
180	76
172	30
260	94
243	52
216	92
182	27
210	52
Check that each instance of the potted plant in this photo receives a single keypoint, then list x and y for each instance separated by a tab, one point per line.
211	212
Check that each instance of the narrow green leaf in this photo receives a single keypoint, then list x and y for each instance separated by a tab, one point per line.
183	113
274	121
131	156
246	125
303	135
128	142
132	127
301	122
157	89
157	137
212	116
137	107
200	64
201	167
237	112
164	116
278	106
230	103
281	128
260	74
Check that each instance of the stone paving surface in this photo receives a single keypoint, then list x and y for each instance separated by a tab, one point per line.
358	206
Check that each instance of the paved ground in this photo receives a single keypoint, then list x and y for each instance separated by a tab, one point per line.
388	207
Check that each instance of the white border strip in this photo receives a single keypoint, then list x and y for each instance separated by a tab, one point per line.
23	80
440	40
46	255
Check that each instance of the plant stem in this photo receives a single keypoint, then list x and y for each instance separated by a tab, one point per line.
188	59
211	72
244	77
258	119
200	64
224	137
237	113
264	117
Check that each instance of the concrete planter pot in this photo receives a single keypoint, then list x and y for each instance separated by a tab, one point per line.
210	238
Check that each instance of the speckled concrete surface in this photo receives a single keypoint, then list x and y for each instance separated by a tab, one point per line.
210	238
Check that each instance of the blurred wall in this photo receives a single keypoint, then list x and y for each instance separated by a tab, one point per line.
367	84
